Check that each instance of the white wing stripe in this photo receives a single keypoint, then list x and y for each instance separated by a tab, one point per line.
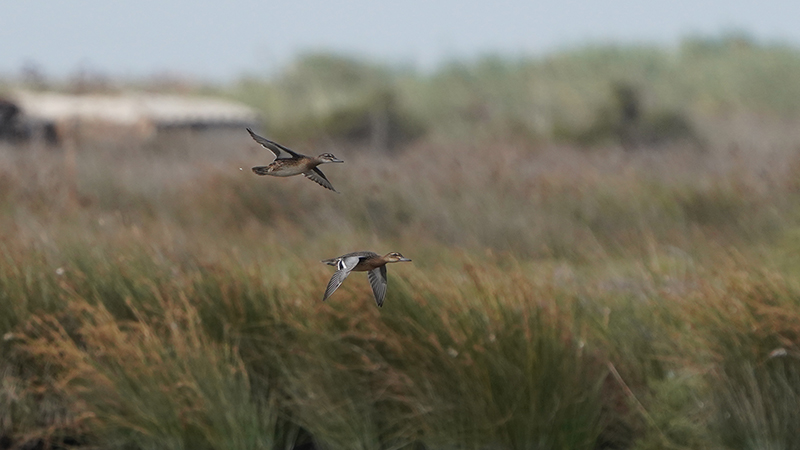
344	266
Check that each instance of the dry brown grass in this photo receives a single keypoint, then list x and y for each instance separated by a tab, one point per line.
159	296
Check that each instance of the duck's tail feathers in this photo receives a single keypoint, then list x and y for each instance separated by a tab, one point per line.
261	170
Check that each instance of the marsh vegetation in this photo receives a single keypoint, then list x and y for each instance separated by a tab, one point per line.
562	295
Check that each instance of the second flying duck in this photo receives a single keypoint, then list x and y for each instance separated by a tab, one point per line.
370	262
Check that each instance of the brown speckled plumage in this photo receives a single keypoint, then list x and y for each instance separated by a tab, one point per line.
288	163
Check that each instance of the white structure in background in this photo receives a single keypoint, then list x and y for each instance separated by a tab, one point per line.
136	113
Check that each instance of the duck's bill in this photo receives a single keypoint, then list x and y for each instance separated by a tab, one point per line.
404	260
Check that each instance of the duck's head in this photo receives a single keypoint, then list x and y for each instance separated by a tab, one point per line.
328	158
395	257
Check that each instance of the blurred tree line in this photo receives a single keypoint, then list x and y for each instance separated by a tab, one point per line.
629	95
632	96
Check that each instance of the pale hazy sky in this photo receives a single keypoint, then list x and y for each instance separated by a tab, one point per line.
219	40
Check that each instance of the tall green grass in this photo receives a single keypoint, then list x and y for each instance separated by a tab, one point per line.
595	301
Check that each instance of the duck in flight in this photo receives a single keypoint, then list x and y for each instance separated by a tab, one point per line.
288	163
370	262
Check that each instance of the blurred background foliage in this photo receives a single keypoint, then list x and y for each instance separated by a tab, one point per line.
637	94
604	246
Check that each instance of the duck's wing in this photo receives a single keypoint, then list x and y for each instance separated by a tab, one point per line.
274	147
344	266
318	177
377	279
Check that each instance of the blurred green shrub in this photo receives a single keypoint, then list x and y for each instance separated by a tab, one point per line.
323	96
624	122
563	96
